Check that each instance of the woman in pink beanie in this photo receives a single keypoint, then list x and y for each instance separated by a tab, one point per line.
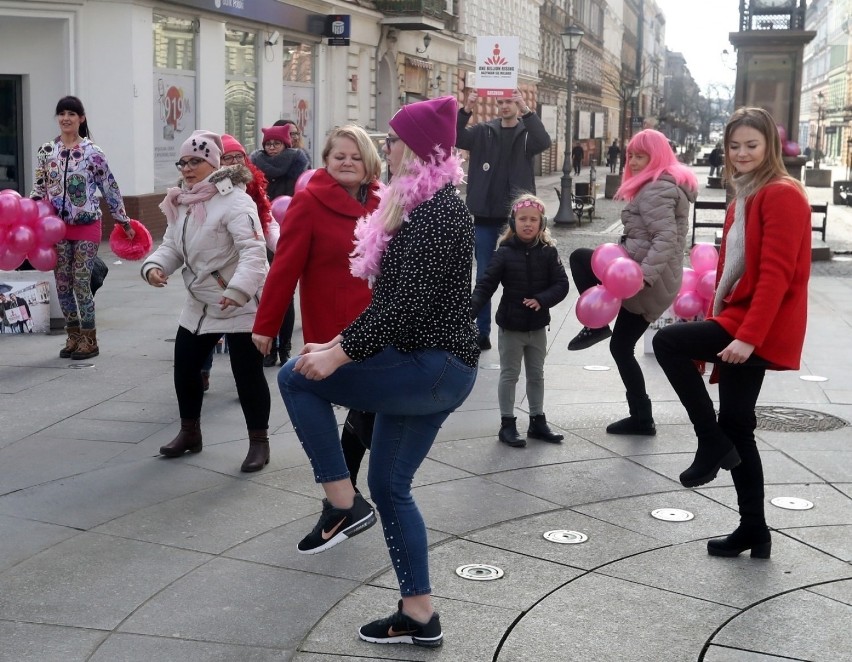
277	159
411	357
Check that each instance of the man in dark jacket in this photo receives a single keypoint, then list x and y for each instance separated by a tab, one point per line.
500	169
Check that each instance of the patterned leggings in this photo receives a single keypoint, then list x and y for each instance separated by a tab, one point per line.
73	273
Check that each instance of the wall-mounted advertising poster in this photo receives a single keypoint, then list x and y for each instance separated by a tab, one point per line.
174	121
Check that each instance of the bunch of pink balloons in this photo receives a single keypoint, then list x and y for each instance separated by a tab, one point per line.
699	282
279	207
621	278
788	147
303	180
29	229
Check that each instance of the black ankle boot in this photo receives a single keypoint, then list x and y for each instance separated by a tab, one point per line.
509	432
640	421
539	429
187	440
757	539
713	454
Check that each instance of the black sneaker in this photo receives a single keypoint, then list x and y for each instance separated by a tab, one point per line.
270	360
588	337
336	525
400	629
483	341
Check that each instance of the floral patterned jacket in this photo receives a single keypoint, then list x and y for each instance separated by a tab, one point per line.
70	179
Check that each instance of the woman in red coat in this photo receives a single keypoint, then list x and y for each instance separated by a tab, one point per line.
757	322
317	236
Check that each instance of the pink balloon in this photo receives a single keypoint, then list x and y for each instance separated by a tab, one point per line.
791	149
29	212
603	255
703	257
21	239
45	208
9	259
597	307
43	258
782	133
689	281
49	230
10	191
687	305
10	209
706	287
623	277
279	207
303	179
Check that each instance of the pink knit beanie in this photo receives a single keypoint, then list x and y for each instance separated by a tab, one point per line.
426	124
231	144
203	145
281	133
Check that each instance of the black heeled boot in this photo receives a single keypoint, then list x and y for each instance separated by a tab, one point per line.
640	421
187	440
539	429
258	452
509	432
714	452
755	538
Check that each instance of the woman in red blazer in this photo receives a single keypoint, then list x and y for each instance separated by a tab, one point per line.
757	321
317	236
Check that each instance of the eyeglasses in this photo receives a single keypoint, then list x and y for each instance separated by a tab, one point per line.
236	157
294	133
390	140
192	164
273	143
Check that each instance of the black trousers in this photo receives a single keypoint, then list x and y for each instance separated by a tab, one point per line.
677	347
191	350
627	331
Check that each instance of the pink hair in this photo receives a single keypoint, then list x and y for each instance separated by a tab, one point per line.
662	160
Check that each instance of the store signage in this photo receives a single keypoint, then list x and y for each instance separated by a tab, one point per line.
337	29
271	12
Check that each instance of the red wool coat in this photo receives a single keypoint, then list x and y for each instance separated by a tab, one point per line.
317	235
768	307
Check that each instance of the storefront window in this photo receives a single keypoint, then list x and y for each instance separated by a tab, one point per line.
174	43
298	63
241	86
298	90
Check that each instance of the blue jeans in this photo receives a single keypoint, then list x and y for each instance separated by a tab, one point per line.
412	395
485	245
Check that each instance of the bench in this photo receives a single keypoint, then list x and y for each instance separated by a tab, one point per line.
720	205
581	205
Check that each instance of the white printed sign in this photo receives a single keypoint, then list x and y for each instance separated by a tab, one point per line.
497	62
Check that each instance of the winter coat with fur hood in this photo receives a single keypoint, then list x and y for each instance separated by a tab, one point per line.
655	226
223	256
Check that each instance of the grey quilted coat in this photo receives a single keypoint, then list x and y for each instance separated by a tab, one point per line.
655	227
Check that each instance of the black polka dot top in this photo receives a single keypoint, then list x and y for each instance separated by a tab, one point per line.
421	299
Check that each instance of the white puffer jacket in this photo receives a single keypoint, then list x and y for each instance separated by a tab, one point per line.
223	256
655	226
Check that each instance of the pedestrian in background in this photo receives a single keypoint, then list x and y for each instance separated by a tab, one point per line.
297	139
411	357
577	155
70	171
612	155
214	236
716	159
658	190
500	169
277	159
757	322
528	267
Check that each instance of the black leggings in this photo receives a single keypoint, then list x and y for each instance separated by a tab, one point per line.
677	347
191	350
628	328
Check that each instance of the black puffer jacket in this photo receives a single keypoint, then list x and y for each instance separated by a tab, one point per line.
526	271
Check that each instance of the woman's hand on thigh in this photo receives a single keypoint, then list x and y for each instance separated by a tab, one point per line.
736	352
321	364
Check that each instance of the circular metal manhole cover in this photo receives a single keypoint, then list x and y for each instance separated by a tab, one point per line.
813	378
80	366
565	537
672	514
789	419
596	368
479	572
792	503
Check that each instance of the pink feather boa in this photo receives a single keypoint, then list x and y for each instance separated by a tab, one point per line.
420	182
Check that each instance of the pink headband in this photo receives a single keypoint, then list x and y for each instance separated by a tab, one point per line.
528	203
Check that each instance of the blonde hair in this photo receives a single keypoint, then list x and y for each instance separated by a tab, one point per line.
369	155
772	167
543	231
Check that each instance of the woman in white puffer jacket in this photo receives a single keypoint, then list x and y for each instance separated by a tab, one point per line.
215	236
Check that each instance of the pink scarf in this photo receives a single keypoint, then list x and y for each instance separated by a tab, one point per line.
200	193
417	185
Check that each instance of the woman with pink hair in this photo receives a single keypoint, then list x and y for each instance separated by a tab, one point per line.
658	190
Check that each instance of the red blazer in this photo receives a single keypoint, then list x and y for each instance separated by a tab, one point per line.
317	235
768	307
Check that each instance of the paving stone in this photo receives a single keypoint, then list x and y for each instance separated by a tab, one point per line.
20	539
839	590
136	648
31	642
129	432
725	654
830	466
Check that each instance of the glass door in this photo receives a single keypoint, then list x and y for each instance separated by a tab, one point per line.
11	134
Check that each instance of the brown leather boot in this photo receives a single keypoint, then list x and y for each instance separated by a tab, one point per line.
71	342
188	439
87	345
258	452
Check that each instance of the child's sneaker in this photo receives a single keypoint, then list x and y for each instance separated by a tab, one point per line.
400	629
336	525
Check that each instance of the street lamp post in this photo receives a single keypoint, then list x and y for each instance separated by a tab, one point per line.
571	42
820	113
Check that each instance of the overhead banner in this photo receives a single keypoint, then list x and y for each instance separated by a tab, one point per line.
497	62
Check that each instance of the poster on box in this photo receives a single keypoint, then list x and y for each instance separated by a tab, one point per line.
497	61
24	307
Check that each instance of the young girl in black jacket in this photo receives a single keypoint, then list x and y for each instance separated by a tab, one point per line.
534	280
